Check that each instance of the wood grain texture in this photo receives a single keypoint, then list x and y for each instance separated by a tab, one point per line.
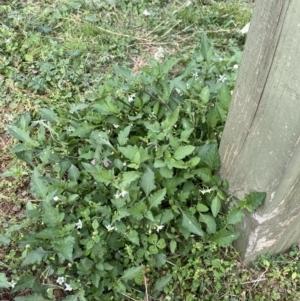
260	149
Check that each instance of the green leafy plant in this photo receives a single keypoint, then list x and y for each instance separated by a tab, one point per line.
121	182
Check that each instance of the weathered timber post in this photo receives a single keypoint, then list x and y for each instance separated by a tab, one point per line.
260	149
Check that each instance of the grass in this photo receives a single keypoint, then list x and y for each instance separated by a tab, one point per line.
57	53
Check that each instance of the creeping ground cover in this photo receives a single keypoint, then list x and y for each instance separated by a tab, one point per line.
118	160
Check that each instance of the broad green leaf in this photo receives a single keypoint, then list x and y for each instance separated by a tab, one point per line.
34	297
190	223
161	244
19	134
166	172
206	48
73	173
71	298
222	113
78	107
124	72
184	135
253	200
209	221
204	95
209	154
123	135
161	283
156	198
133	236
52	216
235	216
38	187
204	174
3	281
147	181
213	117
34	256
130	273
129	152
83	131
149	216
224	237
215	206
224	96
183	151
65	246
103	176
25	282
166	216
202	208
173	246
171	120
48	115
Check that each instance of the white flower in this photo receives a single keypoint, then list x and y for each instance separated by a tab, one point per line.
123	193
78	225
222	78
146	13
109	228
204	191
70	129
131	97
56	199
159	228
188	86
231	92
68	287
236	66
93	162
60	280
220	59
159	54
195	75
12	284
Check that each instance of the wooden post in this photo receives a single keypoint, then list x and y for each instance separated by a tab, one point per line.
260	149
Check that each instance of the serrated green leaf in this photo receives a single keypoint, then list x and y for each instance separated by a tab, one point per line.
103	176
123	135
224	237
83	131
149	216
133	236
204	174
130	273
38	187
209	154
183	151
78	107
215	206
65	246
19	134
161	283
51	216
156	198
235	216
34	256
48	115
3	281
204	94
253	200
73	173
171	120
147	181
25	282
190	223
209	221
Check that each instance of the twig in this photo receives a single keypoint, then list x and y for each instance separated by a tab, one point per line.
254	281
128	297
179	21
148	34
121	34
146	288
